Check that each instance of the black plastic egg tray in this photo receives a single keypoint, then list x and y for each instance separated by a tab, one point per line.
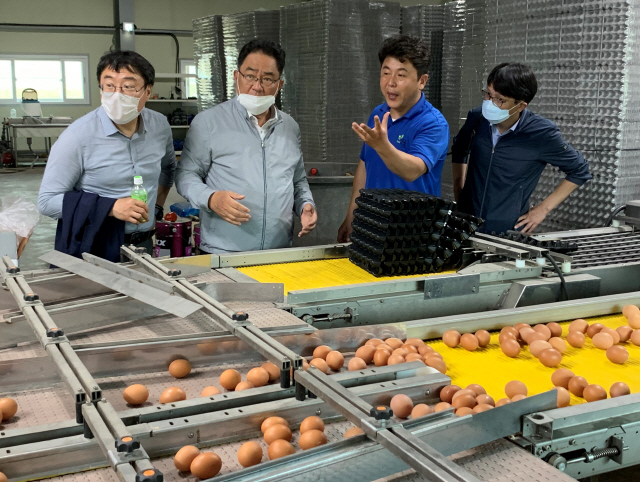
398	232
555	245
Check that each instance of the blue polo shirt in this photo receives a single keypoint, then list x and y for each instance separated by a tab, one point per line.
422	132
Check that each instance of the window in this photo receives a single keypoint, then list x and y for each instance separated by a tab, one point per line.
189	84
58	79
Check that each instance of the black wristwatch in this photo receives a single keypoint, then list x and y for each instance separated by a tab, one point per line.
159	212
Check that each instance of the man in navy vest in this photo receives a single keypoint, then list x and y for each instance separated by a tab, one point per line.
501	151
406	138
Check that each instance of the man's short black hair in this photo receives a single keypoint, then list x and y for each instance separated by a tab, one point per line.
129	60
267	47
405	48
514	80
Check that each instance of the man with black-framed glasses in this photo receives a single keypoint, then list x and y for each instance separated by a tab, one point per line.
241	163
500	152
89	175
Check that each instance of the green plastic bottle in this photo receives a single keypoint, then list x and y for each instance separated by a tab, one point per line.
138	192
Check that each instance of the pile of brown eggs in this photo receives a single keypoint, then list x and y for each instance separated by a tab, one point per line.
565	380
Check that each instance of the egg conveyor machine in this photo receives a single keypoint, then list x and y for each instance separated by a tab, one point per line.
100	326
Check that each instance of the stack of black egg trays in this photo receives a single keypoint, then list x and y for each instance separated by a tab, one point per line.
398	232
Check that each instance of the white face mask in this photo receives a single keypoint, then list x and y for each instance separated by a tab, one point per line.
256	104
120	108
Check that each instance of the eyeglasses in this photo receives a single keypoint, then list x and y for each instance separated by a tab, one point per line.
126	89
497	101
264	81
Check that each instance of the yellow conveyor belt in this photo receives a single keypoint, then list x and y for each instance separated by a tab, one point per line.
492	369
324	273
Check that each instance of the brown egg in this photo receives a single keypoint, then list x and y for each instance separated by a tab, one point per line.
465	400
510	329
273	371
320	364
536	335
537	346
435	353
373	342
3	478
410	348
594	329
593	393
417	342
437	363
506	335
550	357
614	334
635	337
555	328
577	386
395	360
400	351
485	399
602	340
469	342
520	326
401	405
421	410
322	351
502	401
394	342
564	399
447	393
353	432
280	448
451	338
335	360
482	407
441	407
515	387
366	352
425	350
624	332
172	394
616	354
184	457
244	386
258	376
312	423
271	421
510	347
561	377
381	357
484	337
8	407
250	454
414	357
630	310
634	321
463	411
465	391
518	397
478	389
619	389
134	395
558	344
179	368
544	330
525	333
277	432
576	339
210	391
356	364
579	325
229	379
311	439
206	465
385	347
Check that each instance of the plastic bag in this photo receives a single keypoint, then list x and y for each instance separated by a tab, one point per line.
19	216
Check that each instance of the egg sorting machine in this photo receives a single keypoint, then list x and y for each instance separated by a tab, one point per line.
100	325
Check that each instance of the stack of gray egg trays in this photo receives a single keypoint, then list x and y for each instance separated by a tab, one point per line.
240	28
585	56
332	74
209	57
453	38
427	22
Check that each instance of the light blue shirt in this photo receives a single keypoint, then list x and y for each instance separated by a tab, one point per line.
495	133
92	155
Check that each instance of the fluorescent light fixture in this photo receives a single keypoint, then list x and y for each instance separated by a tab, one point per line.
128	26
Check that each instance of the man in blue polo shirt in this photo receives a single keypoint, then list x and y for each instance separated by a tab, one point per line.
406	138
